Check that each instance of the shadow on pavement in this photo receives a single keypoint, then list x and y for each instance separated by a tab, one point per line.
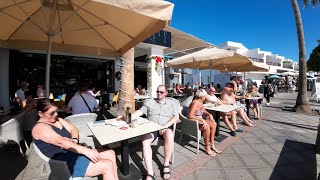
297	160
12	162
303	126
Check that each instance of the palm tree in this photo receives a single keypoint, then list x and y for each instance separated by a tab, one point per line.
127	79
302	102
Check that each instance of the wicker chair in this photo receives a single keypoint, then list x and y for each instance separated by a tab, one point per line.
190	127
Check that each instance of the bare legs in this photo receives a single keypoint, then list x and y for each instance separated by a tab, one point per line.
256	111
208	136
147	151
244	117
232	126
106	166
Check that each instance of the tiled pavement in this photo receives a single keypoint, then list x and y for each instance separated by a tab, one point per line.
281	146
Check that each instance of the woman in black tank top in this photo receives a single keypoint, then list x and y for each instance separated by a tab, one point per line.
57	139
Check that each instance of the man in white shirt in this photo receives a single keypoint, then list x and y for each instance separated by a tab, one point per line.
82	102
19	95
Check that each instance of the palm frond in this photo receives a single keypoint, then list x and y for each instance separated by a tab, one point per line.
313	2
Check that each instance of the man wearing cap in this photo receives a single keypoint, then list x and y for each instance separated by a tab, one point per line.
19	95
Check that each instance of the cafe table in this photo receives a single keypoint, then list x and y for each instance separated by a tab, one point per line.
107	134
217	109
142	97
247	100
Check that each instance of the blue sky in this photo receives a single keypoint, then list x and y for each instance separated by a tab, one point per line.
268	25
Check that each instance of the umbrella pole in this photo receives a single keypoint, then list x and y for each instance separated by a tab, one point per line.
244	80
47	83
210	72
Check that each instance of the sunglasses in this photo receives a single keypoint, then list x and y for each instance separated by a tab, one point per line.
161	92
52	113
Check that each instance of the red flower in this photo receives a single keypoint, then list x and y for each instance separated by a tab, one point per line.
158	59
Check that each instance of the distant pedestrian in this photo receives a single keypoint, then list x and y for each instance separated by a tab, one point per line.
267	89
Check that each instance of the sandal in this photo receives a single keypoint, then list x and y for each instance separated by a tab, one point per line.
152	177
167	172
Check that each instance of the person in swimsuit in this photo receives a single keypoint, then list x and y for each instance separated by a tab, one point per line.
254	103
207	126
57	139
228	97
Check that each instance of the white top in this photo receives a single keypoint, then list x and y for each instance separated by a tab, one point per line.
212	98
79	106
20	94
107	134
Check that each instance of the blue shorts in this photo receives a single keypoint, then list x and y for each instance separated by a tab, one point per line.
77	163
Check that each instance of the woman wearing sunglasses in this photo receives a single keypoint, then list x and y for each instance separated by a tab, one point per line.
57	139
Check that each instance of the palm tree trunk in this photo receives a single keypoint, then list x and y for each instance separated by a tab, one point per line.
127	79
302	102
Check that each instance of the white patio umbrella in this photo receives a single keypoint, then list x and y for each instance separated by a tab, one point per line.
219	59
290	74
93	27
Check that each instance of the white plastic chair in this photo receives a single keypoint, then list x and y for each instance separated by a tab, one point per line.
11	132
55	169
80	122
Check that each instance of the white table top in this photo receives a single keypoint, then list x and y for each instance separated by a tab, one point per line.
222	108
107	134
253	98
142	97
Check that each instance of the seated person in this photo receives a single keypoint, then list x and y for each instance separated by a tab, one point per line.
30	103
83	102
163	111
218	88
19	95
187	90
91	89
254	103
228	97
178	89
196	86
57	139
40	91
213	98
139	91
207	124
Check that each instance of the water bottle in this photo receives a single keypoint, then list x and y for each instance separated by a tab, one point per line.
129	118
127	115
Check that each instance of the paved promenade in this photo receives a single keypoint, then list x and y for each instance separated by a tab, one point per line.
280	146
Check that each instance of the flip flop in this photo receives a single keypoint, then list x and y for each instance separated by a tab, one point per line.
167	172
